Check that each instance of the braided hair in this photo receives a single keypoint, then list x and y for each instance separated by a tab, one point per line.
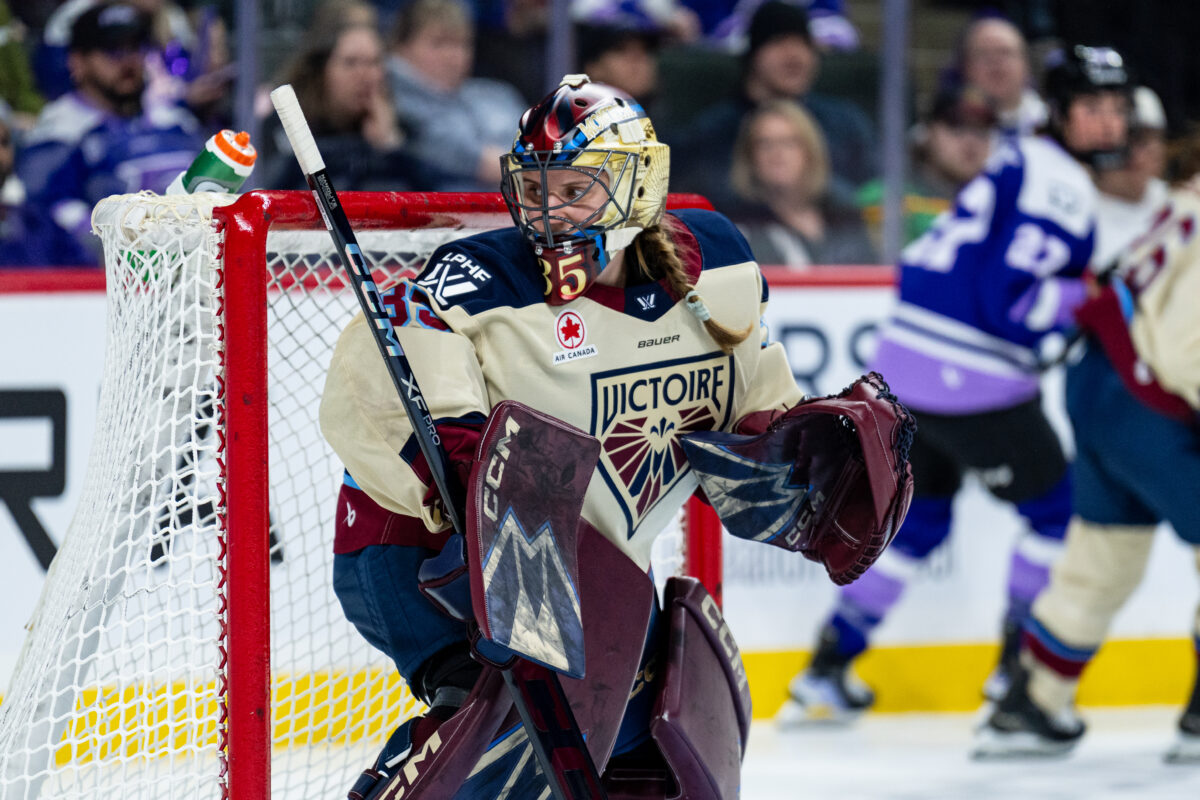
658	258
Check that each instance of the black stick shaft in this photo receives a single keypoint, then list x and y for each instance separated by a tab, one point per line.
390	348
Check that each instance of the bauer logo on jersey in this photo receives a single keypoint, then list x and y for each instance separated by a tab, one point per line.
571	334
639	414
453	275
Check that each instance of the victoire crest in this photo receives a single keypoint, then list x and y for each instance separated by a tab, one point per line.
639	414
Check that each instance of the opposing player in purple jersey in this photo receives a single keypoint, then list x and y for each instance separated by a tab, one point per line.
978	294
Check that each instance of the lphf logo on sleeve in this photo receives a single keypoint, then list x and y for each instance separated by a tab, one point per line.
571	334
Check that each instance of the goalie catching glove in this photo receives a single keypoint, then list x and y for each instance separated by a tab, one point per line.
829	478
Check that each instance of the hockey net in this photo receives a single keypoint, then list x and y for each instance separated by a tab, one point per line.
187	642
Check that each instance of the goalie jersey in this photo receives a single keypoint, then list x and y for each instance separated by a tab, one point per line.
632	366
990	279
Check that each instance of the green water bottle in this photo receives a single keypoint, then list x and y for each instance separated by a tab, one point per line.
222	166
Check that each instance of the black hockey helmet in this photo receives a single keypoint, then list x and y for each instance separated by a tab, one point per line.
1082	70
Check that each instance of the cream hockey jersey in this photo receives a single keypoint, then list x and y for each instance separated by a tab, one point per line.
631	366
1163	273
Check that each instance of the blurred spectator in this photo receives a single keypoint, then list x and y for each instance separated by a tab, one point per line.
514	26
28	237
670	17
781	62
1131	196
99	139
949	148
781	167
994	57
50	56
830	26
190	62
195	64
16	76
339	79
458	124
331	14
623	55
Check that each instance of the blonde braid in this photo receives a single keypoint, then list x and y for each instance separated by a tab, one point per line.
657	253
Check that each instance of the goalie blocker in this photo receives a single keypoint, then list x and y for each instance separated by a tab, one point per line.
829	478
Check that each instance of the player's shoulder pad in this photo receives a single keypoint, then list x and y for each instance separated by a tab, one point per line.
488	270
721	243
1054	186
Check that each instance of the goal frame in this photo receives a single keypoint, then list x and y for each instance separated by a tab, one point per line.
245	738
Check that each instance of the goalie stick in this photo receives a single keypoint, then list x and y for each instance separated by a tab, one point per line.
536	691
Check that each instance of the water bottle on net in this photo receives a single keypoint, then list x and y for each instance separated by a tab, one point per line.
222	166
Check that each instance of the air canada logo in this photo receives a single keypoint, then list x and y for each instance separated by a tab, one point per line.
639	416
571	335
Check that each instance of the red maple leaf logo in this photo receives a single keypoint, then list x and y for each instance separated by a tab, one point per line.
570	332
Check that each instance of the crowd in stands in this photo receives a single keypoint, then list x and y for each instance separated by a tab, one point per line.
107	96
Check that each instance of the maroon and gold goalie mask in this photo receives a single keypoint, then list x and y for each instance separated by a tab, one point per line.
585	176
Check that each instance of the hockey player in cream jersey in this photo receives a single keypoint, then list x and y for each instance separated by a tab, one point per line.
977	295
1134	402
600	310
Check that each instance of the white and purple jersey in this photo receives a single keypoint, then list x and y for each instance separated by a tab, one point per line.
989	280
78	154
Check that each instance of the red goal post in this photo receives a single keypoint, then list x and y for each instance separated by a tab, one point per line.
187	642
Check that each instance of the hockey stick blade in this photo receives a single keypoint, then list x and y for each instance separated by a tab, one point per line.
536	691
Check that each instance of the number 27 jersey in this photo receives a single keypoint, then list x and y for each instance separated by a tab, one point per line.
989	280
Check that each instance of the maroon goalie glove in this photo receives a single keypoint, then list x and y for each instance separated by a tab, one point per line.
829	478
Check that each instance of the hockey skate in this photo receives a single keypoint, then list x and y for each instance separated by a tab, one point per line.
1000	680
1186	749
1018	728
827	691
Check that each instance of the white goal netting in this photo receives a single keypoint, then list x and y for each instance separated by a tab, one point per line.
122	687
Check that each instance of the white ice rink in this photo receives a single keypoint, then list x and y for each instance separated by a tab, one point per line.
924	757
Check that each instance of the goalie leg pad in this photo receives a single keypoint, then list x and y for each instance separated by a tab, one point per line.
702	716
439	760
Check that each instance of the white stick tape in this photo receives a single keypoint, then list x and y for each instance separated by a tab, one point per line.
297	130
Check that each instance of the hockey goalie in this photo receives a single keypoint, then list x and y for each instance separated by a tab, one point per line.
586	371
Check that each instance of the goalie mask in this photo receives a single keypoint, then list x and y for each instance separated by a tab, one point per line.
585	176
